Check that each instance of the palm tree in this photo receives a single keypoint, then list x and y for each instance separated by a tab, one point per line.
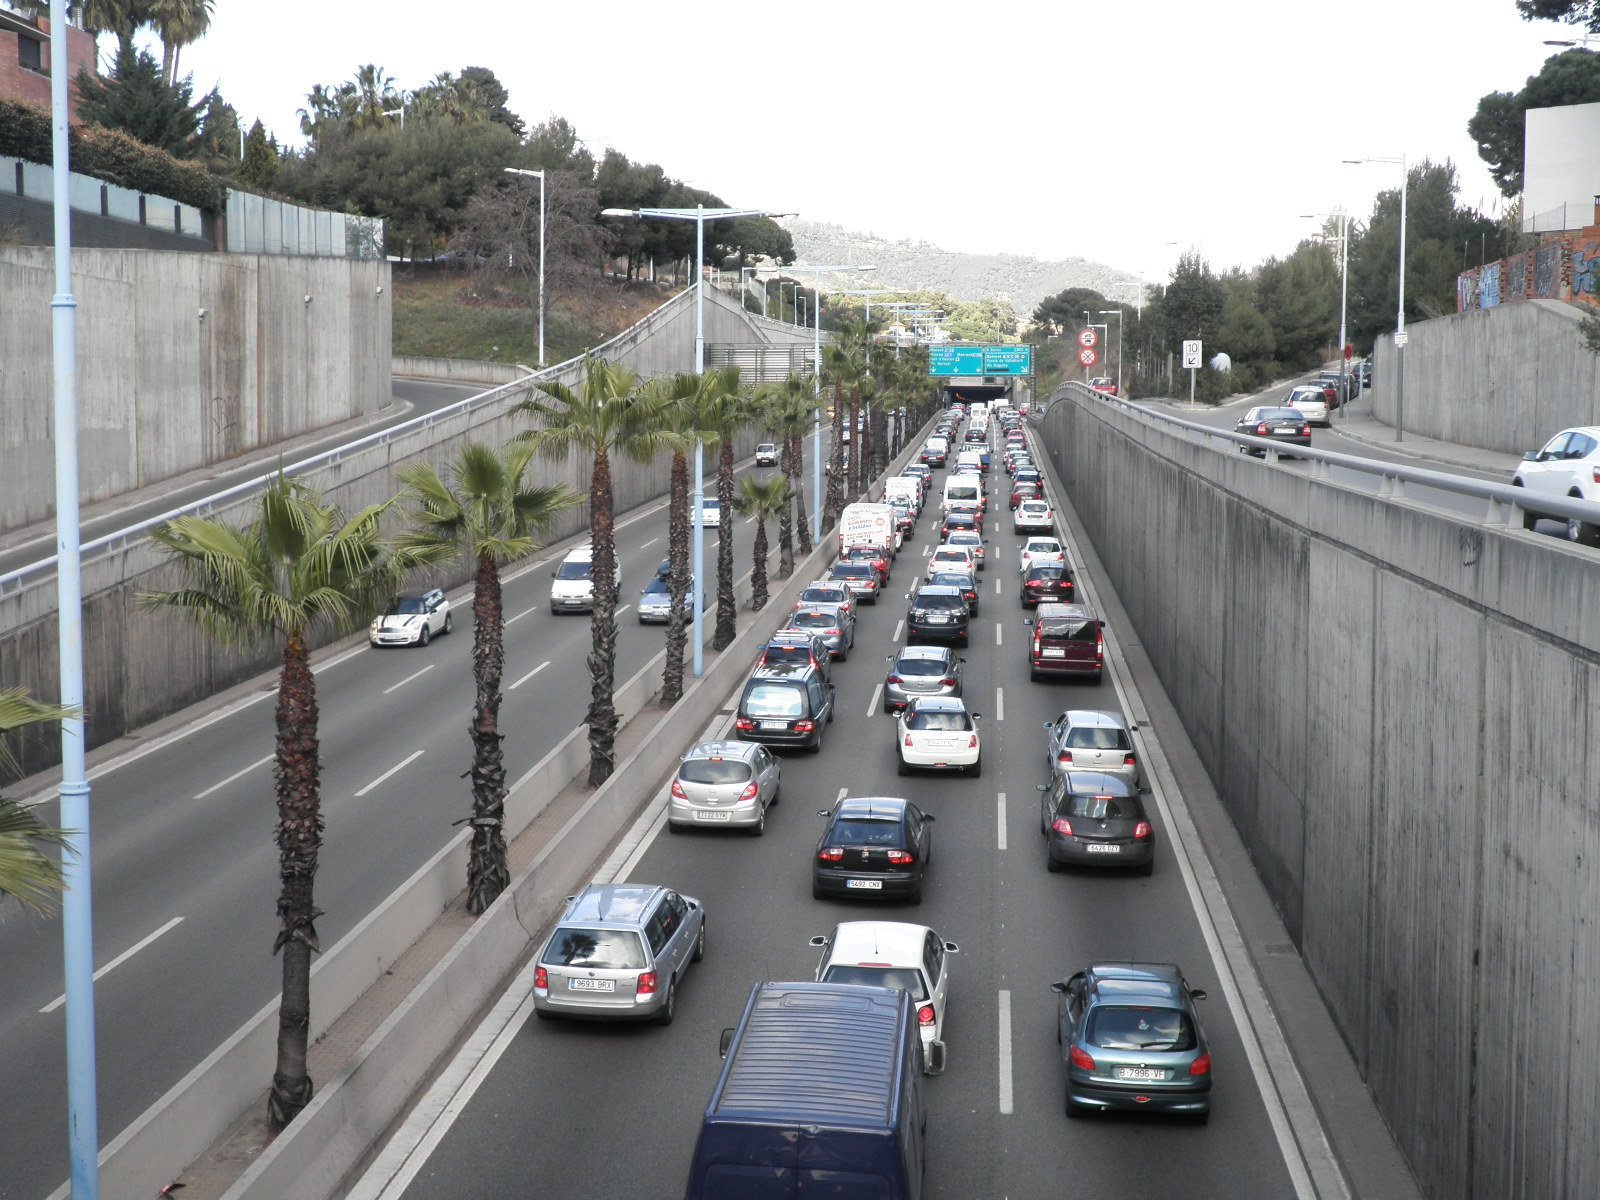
762	499
730	409
788	412
608	416
28	872
842	363
296	567
178	23
683	414
489	510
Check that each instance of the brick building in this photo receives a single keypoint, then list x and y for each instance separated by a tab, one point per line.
25	56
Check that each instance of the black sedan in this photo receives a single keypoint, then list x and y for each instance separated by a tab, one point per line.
1287	425
1091	819
1047	583
938	613
874	846
962	580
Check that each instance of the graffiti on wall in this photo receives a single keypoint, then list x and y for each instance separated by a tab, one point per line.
1467	291
1489	285
1547	272
1586	272
1514	279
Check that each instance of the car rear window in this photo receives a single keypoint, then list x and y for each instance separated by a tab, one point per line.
812	620
963	491
907	979
774	700
1050	574
1102	808
1118	1027
1096	737
714	770
1068	629
776	652
942	603
607	949
864	831
939	722
854	570
919	667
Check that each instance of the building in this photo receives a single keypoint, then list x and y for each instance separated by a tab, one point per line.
25	57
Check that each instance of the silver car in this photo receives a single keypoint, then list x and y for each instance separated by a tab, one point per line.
728	784
1086	740
833	625
827	591
655	601
619	952
921	671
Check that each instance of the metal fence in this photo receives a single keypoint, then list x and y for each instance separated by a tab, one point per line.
257	225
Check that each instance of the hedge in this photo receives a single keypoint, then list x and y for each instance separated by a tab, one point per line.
110	155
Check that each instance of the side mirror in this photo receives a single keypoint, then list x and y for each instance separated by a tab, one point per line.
1049	725
819	941
1059	985
1144	791
976	716
1041	787
724	1042
552	574
935	1060
824	812
927	816
888	658
961	660
1102	624
1028	621
1197	993
951	948
1531	456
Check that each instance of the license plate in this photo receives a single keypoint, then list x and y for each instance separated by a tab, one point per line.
713	816
775	725
1058	653
1285	432
1103	848
938	620
591	985
1142	1074
875	885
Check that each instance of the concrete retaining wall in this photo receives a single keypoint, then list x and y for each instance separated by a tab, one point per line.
161	389
1505	378
1399	710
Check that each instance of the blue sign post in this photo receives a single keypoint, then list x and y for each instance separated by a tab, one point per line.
977	361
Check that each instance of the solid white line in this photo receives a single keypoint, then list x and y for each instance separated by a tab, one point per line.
415	754
118	960
650	543
1005	1052
530	675
520	615
899	628
999	704
333	662
1000	816
215	786
409	678
877	693
997	635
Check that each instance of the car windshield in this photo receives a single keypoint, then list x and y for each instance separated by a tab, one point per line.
942	603
1101	808
405	606
1115	1027
714	770
609	949
907	979
1068	629
575	570
864	831
939	722
774	700
1097	737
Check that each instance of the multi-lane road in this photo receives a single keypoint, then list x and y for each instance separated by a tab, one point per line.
185	863
562	1109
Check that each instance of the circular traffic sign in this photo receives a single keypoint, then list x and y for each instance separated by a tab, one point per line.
1087	356
1087	337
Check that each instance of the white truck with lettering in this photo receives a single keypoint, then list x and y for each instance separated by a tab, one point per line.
905	489
868	525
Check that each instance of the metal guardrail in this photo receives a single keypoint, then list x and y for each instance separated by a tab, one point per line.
1506	504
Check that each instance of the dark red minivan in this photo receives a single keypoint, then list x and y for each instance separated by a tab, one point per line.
1066	641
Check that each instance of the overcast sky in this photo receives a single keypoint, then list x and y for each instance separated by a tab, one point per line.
1105	130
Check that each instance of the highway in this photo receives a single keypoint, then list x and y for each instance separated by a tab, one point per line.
585	1109
186	866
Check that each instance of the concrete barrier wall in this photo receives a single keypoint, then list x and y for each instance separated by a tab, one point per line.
163	390
1505	378
1399	711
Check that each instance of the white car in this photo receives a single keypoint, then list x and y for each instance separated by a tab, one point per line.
572	583
969	541
1037	551
766	455
1310	402
1569	465
952	558
893	954
937	733
1033	515
412	620
710	512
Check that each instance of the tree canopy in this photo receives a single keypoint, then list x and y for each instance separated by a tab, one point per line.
1571	77
137	99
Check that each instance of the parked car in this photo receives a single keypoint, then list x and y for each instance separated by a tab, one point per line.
938	614
836	628
785	706
1067	640
655	601
1568	465
619	950
921	671
1311	402
872	846
862	578
1088	740
766	455
1288	425
963	580
796	646
1132	1040
1034	516
1093	819
895	954
412	620
938	733
1037	551
724	784
1048	582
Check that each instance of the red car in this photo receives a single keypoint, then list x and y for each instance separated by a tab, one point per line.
869	554
1026	490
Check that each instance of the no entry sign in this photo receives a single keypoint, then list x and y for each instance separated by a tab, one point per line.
1087	356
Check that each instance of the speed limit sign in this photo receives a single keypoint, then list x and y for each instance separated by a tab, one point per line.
1087	337
1087	356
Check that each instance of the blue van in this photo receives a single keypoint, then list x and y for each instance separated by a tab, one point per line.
820	1095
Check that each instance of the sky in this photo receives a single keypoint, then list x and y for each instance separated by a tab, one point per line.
1122	133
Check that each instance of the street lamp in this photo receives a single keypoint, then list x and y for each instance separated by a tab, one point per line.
1400	308
699	214
1344	259
539	175
1116	312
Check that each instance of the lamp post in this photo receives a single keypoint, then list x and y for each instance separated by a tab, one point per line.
1116	312
1344	289
699	214
1400	307
539	175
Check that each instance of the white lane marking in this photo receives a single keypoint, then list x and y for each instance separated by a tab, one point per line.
927	550
415	754
1005	1052
899	628
997	635
118	960
999	704
877	692
841	795
530	675
622	610
224	783
1000	817
520	615
409	678
333	662
650	543
997	585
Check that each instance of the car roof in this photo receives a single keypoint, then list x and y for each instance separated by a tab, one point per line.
1055	608
885	808
582	553
620	905
894	943
1098	782
782	672
925	652
940	703
938	589
1131	982
792	637
1092	717
740	750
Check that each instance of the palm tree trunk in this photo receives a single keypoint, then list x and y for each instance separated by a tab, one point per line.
727	614
853	476
835	500
786	518
677	579
758	570
602	715
487	872
802	519
297	774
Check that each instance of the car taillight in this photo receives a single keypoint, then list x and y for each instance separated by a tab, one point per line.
831	854
744	724
895	679
1099	647
1036	583
677	791
1141	831
833	632
1261	430
899	858
541	979
1062	826
948	681
925	1015
1201	1065
972	742
750	790
1064	756
908	739
1305	430
804	726
1129	760
1081	1059
647	984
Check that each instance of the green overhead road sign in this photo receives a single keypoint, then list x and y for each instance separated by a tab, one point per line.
973	361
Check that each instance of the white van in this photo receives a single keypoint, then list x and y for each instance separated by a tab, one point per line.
867	524
572	586
904	488
970	458
962	490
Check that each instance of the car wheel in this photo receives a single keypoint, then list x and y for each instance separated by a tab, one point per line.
816	746
1051	865
1581	532
1098	677
554	611
449	622
844	653
760	827
700	942
424	637
541	1014
817	893
670	1005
